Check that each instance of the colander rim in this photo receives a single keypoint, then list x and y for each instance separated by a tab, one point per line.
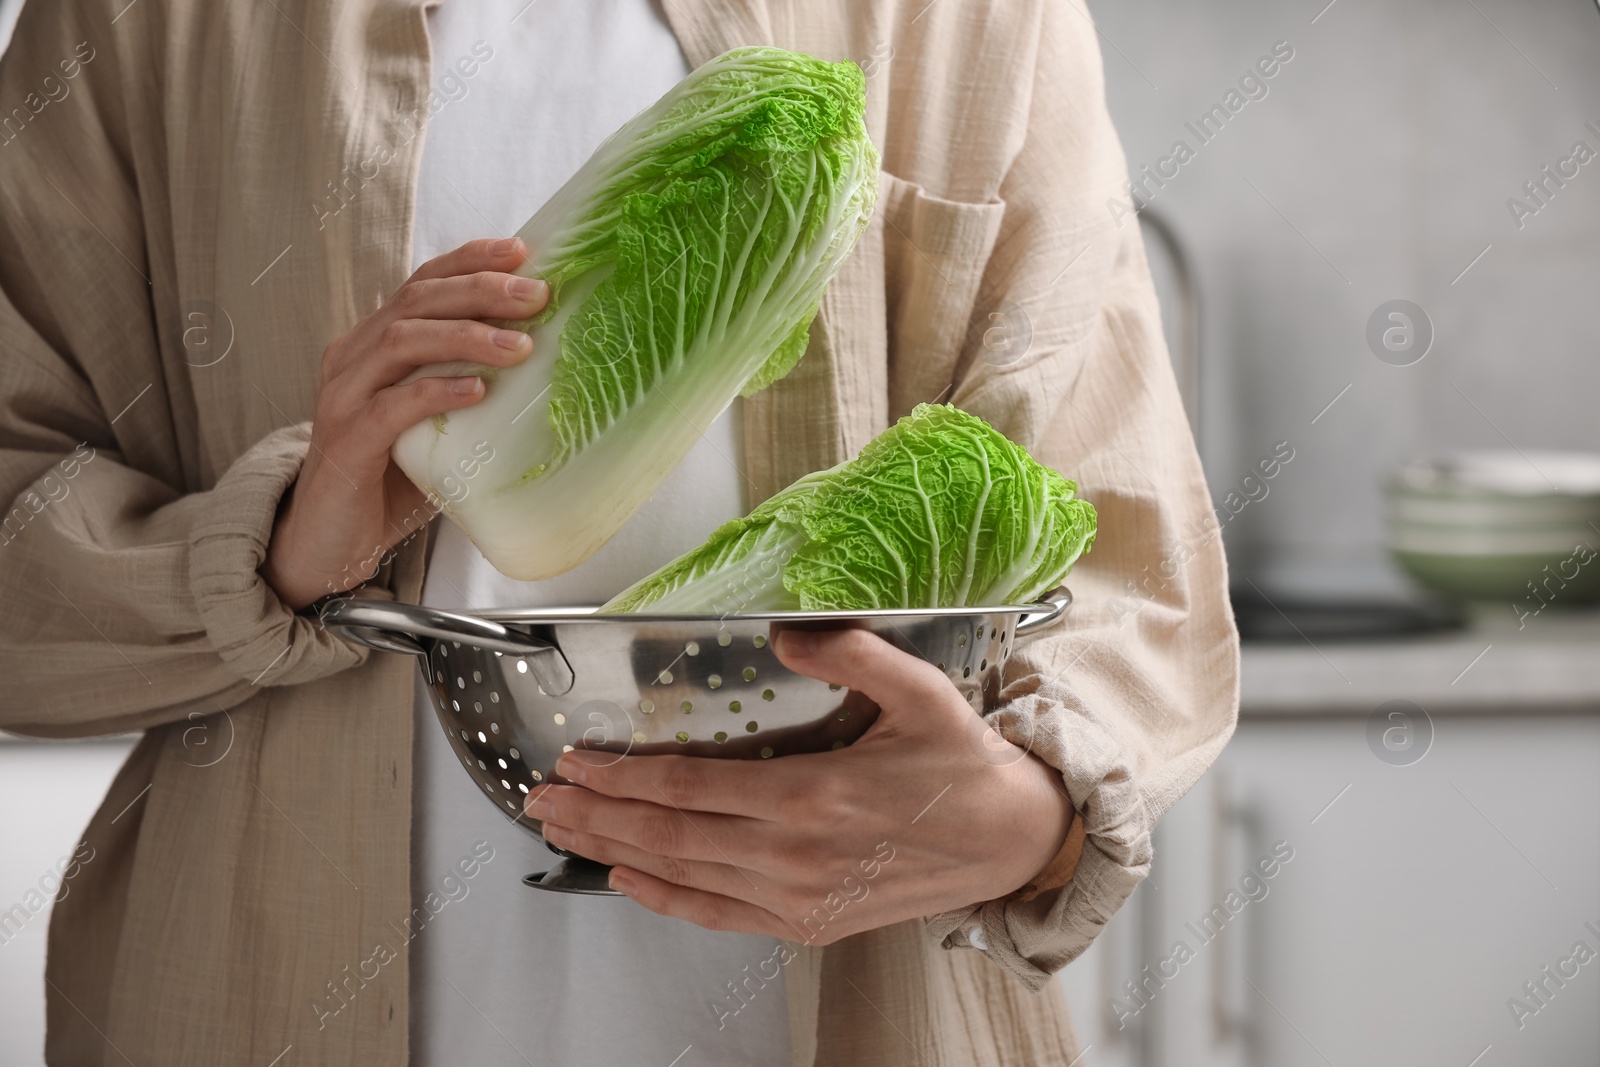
562	615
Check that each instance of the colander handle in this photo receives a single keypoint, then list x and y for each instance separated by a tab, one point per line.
1052	606
392	627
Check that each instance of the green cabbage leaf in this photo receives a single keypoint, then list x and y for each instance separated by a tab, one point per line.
941	510
686	260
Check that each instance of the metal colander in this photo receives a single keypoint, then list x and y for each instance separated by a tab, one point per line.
513	690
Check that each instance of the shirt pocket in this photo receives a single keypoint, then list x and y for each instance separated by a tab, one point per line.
935	253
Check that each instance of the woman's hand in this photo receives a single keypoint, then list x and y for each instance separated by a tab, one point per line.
350	503
927	812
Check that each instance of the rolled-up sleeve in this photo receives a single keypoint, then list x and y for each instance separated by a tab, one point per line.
131	588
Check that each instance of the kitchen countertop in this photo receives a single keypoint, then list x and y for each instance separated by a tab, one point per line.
1551	664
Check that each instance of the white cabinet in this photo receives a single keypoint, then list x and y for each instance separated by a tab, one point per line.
48	792
1419	901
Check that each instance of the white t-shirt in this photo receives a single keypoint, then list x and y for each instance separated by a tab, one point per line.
507	974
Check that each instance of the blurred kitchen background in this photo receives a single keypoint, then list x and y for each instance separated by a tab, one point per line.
1420	776
1439	790
1377	168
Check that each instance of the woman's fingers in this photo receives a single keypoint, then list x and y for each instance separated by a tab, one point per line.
653	828
479	295
707	910
860	660
757	789
487	254
406	344
389	343
716	877
394	410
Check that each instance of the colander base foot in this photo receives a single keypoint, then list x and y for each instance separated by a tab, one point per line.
574	875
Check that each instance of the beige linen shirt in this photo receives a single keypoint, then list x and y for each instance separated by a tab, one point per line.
195	198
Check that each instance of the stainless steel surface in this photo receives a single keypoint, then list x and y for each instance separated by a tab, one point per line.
513	690
574	874
408	627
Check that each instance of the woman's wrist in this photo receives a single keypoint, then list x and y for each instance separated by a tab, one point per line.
277	569
1059	871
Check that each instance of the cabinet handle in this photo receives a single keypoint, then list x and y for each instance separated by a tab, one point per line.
1112	942
1230	820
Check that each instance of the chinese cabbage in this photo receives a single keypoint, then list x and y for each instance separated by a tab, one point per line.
686	260
941	510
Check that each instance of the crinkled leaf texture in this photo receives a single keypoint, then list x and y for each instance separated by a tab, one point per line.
941	510
686	259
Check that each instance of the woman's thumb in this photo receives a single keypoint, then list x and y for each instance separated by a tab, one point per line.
860	660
